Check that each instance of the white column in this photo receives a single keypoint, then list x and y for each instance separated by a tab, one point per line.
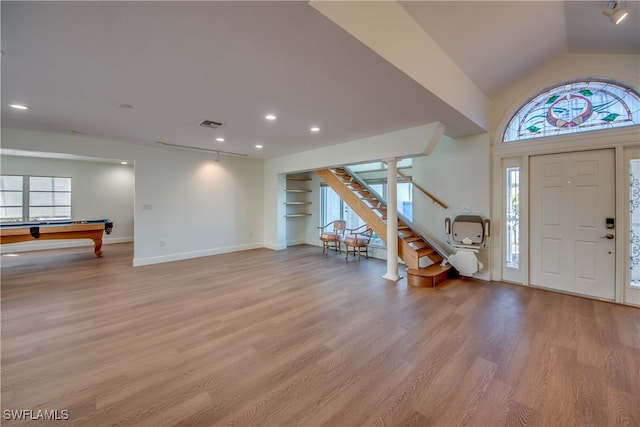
392	221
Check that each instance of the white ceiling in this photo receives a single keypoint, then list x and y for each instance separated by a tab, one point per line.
180	63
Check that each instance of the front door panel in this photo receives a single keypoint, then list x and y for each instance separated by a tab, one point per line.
572	195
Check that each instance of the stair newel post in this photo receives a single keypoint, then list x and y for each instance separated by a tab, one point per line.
392	220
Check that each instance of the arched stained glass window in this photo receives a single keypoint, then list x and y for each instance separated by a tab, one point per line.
575	107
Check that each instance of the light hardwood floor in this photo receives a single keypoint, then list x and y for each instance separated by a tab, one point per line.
295	338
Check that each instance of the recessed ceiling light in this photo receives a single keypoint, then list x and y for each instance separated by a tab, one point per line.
124	163
258	146
270	117
19	106
315	129
220	139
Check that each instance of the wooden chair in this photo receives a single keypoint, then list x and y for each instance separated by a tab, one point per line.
332	235
358	240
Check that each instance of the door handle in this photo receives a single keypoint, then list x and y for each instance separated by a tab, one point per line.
607	236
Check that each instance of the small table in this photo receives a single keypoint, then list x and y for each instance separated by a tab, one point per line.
53	230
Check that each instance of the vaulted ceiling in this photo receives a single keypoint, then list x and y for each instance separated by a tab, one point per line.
152	71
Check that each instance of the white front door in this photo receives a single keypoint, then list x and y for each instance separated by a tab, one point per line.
571	249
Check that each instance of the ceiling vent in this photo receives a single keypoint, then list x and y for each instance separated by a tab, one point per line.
211	124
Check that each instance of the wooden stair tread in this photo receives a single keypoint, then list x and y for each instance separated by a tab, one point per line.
427	250
411	239
429	271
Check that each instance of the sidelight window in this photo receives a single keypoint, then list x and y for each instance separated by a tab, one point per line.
512	209
634	223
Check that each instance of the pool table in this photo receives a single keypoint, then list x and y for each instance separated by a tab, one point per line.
51	230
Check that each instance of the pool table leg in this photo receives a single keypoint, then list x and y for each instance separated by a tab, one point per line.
98	245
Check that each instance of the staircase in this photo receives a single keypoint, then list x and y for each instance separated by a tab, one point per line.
412	247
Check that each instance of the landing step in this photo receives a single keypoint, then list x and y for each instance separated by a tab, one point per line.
428	276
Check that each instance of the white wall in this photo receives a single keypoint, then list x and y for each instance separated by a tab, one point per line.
195	205
99	191
457	173
296	228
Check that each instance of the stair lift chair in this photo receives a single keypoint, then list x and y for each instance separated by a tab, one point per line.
467	235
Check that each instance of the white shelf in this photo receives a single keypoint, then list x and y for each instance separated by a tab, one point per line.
296	200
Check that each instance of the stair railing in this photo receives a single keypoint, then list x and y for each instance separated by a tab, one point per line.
425	192
413	227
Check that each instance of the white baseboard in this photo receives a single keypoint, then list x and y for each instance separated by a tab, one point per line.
482	275
137	262
296	242
275	246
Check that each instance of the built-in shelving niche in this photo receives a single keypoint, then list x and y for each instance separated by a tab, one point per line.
297	202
